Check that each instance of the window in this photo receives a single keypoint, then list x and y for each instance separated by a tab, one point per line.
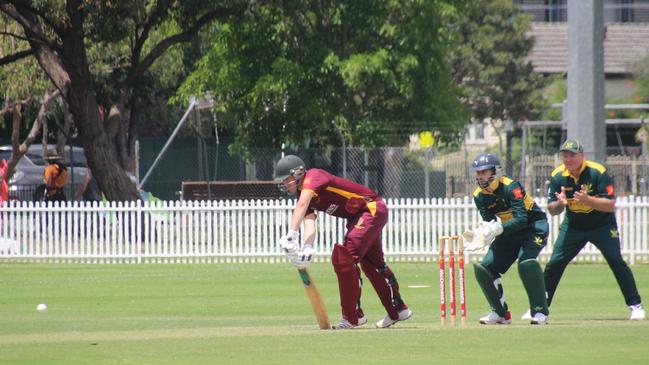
624	13
479	130
555	10
5	155
36	159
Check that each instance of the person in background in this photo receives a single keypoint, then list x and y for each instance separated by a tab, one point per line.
4	187
55	177
89	189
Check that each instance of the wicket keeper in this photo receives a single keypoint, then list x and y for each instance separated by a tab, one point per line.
585	188
522	235
366	214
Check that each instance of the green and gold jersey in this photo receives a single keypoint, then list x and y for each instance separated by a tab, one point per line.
596	181
509	202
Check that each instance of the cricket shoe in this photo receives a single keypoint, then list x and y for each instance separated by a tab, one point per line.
637	313
346	325
494	318
527	315
387	321
539	318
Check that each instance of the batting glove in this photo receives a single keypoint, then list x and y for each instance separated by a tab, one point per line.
288	243
304	257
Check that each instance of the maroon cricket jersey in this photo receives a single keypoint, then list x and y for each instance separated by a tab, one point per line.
337	196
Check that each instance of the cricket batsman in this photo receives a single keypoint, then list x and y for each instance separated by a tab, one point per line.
366	214
522	235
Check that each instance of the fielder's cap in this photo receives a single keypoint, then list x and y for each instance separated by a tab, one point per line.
572	145
52	155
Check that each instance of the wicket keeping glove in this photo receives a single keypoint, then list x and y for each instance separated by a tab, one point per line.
304	257
474	240
288	243
481	236
491	230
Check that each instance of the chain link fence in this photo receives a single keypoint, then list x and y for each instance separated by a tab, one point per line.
394	172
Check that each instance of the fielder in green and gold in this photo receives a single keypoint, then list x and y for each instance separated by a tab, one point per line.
585	188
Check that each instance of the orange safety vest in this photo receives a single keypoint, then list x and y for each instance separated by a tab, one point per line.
55	176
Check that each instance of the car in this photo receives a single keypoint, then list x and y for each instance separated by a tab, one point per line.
30	168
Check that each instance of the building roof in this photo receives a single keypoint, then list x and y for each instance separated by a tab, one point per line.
624	45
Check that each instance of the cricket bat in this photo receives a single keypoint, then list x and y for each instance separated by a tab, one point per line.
315	299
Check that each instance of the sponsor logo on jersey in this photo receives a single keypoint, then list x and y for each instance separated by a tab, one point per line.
332	208
615	233
577	207
538	240
518	193
610	190
588	187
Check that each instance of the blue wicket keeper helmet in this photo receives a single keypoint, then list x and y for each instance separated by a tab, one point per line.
487	161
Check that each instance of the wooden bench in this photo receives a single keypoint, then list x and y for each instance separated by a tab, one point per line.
230	190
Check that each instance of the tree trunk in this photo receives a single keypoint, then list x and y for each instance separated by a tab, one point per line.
508	154
121	145
57	42
100	152
65	132
19	149
500	138
133	120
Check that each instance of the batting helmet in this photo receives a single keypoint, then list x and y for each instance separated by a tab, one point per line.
289	165
487	161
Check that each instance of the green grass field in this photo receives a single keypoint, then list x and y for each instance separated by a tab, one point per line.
259	314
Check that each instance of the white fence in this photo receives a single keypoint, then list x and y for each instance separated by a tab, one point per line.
248	231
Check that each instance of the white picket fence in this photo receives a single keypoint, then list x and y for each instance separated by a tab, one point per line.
248	231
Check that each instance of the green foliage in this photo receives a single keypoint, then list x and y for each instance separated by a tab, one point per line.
113	54
287	71
22	80
110	29
556	93
489	62
642	79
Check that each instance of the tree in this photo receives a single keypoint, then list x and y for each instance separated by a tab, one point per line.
26	89
301	71
72	39
490	64
641	79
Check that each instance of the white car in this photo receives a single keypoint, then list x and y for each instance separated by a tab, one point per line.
29	171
